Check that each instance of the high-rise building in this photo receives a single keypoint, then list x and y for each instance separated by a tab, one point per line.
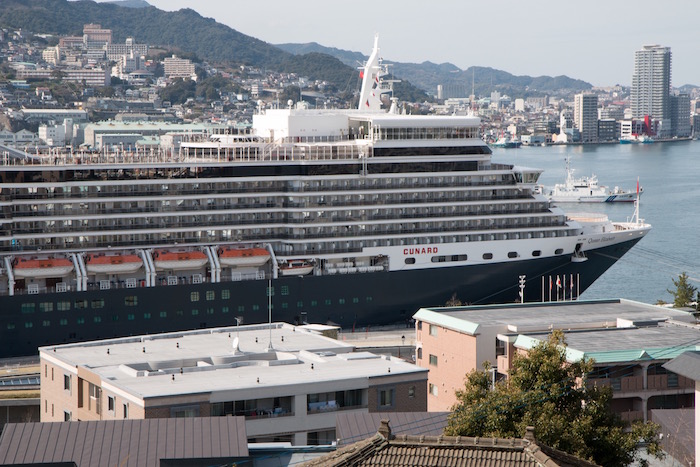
651	83
680	115
586	116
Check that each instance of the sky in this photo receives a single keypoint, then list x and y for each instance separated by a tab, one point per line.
592	40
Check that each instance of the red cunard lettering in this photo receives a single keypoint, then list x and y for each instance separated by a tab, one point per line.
420	250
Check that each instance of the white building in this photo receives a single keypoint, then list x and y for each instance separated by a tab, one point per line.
175	67
651	83
287	381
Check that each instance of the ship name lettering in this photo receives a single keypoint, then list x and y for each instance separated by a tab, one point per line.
421	250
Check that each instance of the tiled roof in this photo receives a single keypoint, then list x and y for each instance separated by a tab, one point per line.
383	449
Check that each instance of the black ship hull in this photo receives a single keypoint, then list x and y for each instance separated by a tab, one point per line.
30	321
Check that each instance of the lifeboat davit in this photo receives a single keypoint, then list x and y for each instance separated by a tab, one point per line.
47	267
113	264
296	268
179	260
231	256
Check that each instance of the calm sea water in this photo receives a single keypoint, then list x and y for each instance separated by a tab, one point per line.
669	173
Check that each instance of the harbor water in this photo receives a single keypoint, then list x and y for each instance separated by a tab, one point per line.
669	174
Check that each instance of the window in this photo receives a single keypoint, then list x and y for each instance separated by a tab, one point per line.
558	251
420	353
66	382
163	314
512	254
487	256
285	290
126	410
80	304
63	322
131	300
66	416
110	403
63	306
411	392
536	253
98	303
433	389
386	398
184	412
195	312
433	330
27	308
410	261
210	295
46	307
433	360
225	294
194	296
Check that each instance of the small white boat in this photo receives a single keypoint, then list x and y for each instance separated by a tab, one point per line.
179	260
112	263
296	268
39	268
586	190
235	256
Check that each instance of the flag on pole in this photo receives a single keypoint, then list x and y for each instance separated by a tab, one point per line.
558	282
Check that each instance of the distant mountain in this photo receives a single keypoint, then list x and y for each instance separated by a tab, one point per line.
183	30
428	75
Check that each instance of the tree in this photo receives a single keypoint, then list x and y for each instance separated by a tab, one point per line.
684	292
545	391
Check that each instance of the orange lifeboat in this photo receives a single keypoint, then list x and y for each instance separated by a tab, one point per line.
113	264
296	268
179	260
231	256
46	267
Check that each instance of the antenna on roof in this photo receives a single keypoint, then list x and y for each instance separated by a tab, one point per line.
269	311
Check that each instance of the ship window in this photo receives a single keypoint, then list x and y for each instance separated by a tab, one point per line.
163	314
194	296
224	309
558	251
63	306
130	317
459	257
368	299
410	260
98	303
328	301
284	290
341	301
195	312
80	321
210	295
225	294
10	325
536	253
97	319
241	308
438	259
210	311
115	317
487	256
80	304
256	307
62	322
269	291
28	308
285	305
46	323
300	304
146	316
179	313
131	300
45	307
512	254
355	300
314	303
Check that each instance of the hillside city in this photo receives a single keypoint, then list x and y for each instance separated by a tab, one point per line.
62	91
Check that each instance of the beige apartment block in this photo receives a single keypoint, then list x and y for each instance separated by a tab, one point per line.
628	341
289	382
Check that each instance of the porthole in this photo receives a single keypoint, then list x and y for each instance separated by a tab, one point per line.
536	253
410	260
487	256
558	251
512	254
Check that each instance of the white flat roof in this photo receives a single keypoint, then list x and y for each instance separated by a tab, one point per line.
209	364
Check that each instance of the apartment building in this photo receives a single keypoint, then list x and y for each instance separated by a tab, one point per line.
629	342
287	381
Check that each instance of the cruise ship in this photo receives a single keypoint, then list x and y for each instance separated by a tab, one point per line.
355	217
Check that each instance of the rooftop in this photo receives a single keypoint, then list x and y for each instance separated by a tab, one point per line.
531	317
176	363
